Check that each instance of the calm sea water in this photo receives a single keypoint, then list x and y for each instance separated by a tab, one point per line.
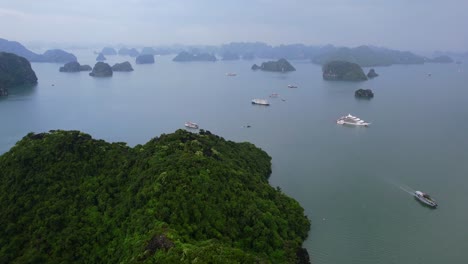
349	180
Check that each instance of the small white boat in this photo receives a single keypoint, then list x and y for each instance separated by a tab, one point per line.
260	102
191	125
274	95
292	86
231	74
351	120
425	198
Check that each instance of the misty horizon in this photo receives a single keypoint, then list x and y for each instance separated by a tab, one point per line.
396	25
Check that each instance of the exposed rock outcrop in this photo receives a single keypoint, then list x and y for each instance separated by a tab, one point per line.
364	93
122	67
343	71
372	74
145	59
15	71
101	69
281	65
74	66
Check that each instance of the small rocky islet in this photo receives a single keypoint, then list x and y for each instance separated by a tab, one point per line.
101	69
343	71
122	67
145	59
74	66
281	65
364	93
372	74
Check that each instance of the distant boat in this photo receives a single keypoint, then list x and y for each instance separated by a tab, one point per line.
351	120
274	95
429	74
260	102
231	74
292	86
191	125
425	198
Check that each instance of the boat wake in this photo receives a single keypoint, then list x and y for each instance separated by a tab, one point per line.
407	189
402	187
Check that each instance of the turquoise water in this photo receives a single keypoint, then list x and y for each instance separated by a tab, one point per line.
349	180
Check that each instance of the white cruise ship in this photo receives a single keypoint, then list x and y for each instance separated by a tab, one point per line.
260	102
191	125
351	120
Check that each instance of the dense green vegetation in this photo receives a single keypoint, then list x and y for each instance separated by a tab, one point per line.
180	198
343	71
15	71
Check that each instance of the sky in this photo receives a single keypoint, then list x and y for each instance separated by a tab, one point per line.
417	25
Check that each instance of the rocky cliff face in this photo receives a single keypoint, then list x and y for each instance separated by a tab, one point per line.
15	71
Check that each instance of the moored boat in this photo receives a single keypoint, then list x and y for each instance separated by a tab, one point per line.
292	86
351	120
260	102
191	125
425	198
231	74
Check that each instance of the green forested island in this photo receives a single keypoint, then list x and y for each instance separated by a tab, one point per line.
180	198
281	65
343	71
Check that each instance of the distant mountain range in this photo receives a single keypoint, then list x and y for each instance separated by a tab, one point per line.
365	56
53	55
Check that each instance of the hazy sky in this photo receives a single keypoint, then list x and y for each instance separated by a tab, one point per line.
418	25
